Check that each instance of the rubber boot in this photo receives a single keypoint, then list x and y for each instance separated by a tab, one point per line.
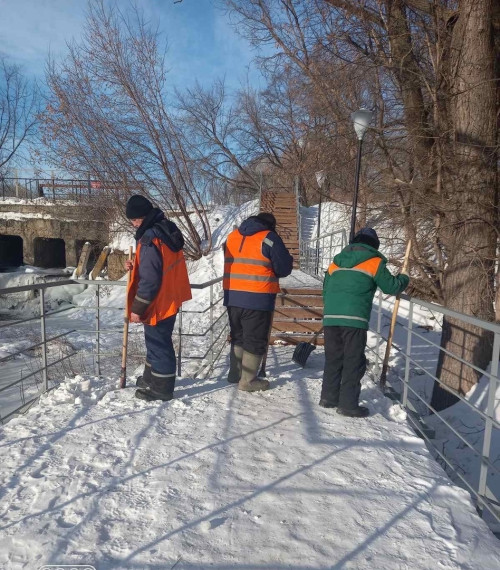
235	357
144	381
249	368
161	388
359	412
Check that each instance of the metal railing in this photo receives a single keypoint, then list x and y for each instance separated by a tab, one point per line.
414	401
316	254
49	189
204	346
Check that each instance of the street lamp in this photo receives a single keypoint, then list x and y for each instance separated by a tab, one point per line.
361	120
320	179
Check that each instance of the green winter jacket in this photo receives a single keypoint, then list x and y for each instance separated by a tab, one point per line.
350	284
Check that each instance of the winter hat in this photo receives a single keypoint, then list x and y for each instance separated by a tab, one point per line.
367	236
138	207
268	219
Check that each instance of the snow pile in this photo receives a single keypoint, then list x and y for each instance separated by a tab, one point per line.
27	303
221	478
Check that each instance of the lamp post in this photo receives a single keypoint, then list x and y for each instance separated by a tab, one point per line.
361	120
320	179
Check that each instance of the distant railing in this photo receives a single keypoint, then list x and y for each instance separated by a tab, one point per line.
203	346
316	254
49	189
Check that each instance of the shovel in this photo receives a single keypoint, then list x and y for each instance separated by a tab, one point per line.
123	370
385	365
304	349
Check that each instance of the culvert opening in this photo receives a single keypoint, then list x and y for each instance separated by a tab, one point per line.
49	253
11	251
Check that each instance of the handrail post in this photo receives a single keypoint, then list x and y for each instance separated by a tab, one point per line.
211	325
379	332
408	355
179	353
45	383
98	331
488	427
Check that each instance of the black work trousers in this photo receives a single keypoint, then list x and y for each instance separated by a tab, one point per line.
345	366
250	328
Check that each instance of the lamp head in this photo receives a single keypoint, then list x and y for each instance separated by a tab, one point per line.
320	178
361	120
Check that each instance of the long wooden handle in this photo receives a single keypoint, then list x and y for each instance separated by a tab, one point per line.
385	365
123	370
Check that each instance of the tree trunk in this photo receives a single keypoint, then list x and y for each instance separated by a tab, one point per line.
469	228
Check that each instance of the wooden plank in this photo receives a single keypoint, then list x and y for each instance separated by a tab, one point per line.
294	339
299	301
301	291
98	267
297	326
81	268
289	312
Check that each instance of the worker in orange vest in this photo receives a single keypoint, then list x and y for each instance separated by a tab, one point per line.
255	257
158	286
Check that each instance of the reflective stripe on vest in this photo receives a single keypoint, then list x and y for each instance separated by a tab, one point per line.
368	267
245	266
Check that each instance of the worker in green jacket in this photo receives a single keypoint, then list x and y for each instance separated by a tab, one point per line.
348	290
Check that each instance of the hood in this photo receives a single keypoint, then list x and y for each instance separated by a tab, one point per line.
169	234
253	225
356	253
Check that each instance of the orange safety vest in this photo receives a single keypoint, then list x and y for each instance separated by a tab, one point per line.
369	267
245	267
174	289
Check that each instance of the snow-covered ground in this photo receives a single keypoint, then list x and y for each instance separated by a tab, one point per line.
223	479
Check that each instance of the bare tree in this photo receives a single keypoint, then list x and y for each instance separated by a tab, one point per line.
109	114
19	106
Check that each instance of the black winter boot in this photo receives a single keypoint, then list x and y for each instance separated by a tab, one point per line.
150	396
359	412
161	388
326	404
144	381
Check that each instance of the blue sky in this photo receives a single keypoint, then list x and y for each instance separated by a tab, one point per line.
202	43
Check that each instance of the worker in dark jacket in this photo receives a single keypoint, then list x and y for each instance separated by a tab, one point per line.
159	285
348	290
255	257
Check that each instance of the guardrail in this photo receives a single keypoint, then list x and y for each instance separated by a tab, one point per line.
316	254
193	344
402	390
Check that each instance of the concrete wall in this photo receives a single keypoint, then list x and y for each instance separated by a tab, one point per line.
71	223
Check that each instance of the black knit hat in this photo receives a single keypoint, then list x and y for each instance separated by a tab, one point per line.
268	219
138	207
367	236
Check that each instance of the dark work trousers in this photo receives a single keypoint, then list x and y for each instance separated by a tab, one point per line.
160	352
345	365
250	328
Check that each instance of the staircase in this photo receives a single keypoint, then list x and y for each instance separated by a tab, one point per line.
298	316
299	312
283	205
